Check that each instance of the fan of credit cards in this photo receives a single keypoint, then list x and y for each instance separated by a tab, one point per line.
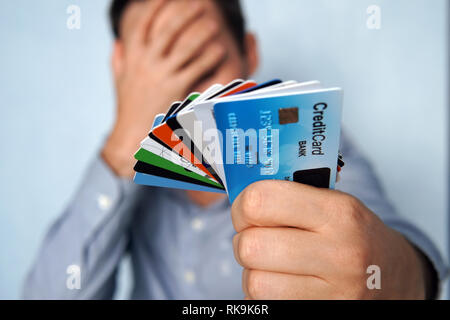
229	136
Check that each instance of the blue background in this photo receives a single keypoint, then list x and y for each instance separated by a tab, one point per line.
57	102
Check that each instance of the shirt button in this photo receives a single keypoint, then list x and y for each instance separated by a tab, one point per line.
104	202
189	277
197	224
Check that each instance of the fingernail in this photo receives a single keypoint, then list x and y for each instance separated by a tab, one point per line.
236	246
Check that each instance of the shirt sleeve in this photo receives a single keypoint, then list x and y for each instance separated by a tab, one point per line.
359	180
91	237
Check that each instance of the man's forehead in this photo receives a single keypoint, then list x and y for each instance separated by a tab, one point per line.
170	11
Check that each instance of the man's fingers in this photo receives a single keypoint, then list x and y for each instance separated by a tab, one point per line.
192	42
286	250
139	36
264	285
275	203
208	60
177	23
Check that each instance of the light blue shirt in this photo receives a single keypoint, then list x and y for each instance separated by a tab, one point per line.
178	249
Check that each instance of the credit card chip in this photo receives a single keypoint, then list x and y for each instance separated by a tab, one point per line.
288	115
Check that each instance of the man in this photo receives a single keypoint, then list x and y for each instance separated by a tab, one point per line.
289	241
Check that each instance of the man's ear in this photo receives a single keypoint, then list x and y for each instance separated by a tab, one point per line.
252	53
117	58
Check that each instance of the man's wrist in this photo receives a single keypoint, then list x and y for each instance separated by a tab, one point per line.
429	274
426	278
118	153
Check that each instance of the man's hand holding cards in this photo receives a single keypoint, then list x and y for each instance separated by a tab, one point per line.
230	136
254	142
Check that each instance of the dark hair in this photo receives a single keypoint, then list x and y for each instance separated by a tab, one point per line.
230	9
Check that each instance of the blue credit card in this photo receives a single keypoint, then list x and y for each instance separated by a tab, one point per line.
155	181
292	137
